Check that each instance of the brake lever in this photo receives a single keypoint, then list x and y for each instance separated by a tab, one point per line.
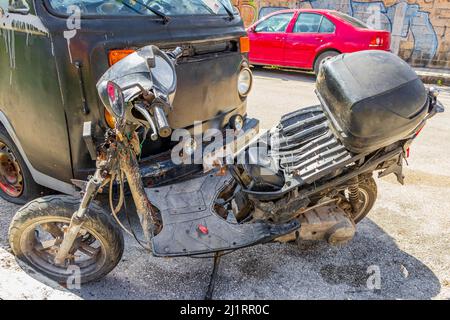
146	114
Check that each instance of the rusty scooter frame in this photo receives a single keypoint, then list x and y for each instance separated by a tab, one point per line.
122	149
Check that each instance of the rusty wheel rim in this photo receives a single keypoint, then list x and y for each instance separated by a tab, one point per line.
11	178
41	241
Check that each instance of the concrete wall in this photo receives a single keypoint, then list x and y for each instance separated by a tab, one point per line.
420	28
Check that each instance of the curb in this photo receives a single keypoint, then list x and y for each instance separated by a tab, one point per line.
17	284
441	79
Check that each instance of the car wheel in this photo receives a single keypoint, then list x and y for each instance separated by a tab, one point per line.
324	56
16	183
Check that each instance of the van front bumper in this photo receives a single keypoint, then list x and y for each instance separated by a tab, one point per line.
233	144
161	170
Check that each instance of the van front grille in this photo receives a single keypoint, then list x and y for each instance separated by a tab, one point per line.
198	50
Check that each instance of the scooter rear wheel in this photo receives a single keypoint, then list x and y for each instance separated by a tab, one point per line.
37	231
367	196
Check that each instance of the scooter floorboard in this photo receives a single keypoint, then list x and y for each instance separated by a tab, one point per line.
192	227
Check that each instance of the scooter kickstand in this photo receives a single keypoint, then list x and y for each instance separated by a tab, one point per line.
212	281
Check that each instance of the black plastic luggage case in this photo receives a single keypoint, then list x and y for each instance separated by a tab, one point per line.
372	98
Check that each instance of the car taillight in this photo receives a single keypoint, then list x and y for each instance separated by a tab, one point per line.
117	55
244	43
376	41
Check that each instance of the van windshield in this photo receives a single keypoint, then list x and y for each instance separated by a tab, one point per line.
143	7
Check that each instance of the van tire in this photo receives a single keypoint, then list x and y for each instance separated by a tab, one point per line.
30	189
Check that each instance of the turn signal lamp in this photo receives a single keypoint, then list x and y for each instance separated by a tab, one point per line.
244	43
117	55
110	119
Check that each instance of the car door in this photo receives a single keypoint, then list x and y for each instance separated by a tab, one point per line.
267	39
310	32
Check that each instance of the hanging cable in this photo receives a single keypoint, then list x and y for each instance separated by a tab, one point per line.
116	210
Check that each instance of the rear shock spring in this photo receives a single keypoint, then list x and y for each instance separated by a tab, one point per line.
353	193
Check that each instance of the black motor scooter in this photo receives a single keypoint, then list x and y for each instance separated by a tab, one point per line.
310	177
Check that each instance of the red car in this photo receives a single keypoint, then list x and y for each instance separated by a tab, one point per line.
303	38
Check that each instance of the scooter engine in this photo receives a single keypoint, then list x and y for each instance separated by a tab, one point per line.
328	223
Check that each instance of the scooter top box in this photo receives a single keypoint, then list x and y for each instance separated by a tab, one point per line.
372	98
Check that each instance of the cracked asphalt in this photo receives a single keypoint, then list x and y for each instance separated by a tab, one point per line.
406	237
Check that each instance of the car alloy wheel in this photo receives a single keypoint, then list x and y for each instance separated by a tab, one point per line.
11	178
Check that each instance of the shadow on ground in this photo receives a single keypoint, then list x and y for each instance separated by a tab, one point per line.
274	271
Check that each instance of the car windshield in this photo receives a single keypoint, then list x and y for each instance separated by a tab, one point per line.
143	7
353	21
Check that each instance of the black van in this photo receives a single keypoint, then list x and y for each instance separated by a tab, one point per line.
52	52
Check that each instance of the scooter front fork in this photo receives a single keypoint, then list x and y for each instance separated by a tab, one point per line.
78	218
150	222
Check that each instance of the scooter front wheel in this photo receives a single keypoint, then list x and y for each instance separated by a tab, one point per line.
37	231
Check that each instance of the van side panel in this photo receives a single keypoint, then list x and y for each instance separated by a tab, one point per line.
30	96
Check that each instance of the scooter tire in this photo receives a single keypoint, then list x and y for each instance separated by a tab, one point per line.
57	210
369	191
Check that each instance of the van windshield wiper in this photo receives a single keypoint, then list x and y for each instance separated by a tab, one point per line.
229	12
164	17
130	7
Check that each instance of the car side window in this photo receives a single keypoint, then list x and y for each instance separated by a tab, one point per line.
326	26
276	23
308	23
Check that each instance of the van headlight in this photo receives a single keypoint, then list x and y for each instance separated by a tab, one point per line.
245	81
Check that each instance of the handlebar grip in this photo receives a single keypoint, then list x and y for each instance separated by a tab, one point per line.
162	124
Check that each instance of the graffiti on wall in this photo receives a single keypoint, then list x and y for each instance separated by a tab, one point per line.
402	19
247	9
413	35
